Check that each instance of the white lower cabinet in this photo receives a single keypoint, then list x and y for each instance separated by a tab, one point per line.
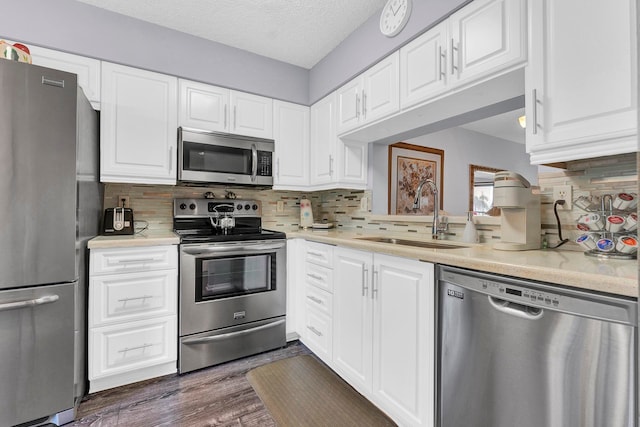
132	315
383	332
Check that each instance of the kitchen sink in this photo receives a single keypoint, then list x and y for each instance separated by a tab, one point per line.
416	243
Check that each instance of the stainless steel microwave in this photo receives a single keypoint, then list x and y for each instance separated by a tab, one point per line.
218	158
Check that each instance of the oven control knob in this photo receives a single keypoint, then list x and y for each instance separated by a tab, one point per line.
183	206
247	206
239	207
254	207
192	206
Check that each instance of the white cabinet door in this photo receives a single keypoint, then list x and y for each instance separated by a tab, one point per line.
370	96
252	115
403	339
486	35
352	314
581	80
87	69
203	106
138	126
381	90
423	66
323	140
351	162
291	135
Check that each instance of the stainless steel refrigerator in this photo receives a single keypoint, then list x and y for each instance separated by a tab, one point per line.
50	205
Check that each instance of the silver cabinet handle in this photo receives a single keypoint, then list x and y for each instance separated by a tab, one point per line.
515	309
170	159
225	115
254	162
443	61
144	297
139	347
365	279
534	112
357	106
374	290
29	303
330	165
314	299
314	330
315	253
454	50
364	104
278	168
235	116
205	340
132	260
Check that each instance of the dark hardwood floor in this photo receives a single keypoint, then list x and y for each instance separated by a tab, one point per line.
216	396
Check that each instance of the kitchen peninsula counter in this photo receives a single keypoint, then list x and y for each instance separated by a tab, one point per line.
144	238
570	268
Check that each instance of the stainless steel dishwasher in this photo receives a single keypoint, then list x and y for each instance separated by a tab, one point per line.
521	353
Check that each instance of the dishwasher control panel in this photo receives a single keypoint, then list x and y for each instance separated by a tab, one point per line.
546	296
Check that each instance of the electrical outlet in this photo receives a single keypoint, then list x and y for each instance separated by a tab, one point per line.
279	206
563	192
123	202
364	204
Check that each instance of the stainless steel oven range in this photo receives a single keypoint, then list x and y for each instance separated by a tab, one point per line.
232	282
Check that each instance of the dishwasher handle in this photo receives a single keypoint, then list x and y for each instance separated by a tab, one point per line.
515	309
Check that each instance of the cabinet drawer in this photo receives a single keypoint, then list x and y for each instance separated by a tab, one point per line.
319	254
121	348
319	299
120	260
132	296
321	277
317	333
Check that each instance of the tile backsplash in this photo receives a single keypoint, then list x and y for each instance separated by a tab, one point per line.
594	177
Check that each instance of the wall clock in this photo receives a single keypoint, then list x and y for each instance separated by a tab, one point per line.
395	15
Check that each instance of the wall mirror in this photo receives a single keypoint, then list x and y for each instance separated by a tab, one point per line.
481	190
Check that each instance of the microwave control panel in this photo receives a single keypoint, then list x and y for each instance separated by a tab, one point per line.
264	163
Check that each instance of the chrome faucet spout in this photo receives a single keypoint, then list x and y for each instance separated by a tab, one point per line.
436	229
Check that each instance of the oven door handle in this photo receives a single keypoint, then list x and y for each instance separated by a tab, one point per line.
221	337
240	249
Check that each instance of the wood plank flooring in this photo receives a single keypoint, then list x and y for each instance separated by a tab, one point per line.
216	396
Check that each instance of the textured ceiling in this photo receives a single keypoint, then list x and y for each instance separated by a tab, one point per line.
299	32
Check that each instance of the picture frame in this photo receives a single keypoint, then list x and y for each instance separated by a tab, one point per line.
409	164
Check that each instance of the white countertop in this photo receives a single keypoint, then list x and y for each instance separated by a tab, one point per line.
568	268
145	238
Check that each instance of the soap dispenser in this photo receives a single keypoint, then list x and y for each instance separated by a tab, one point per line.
470	234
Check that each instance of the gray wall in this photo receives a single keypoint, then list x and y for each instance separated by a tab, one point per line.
461	148
366	46
75	27
78	28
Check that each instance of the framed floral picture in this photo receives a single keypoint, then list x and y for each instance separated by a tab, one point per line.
409	165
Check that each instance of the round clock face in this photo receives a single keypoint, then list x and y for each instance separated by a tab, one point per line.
395	15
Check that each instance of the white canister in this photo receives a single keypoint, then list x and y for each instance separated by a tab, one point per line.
583	202
631	222
614	223
306	213
587	241
627	244
623	201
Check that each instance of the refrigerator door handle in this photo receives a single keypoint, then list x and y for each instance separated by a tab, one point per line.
29	303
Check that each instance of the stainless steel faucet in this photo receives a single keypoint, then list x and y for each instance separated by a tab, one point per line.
437	229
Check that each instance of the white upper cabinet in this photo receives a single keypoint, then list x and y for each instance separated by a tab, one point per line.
581	82
423	66
87	69
203	106
371	96
138	126
217	109
291	135
484	38
333	162
251	115
487	35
